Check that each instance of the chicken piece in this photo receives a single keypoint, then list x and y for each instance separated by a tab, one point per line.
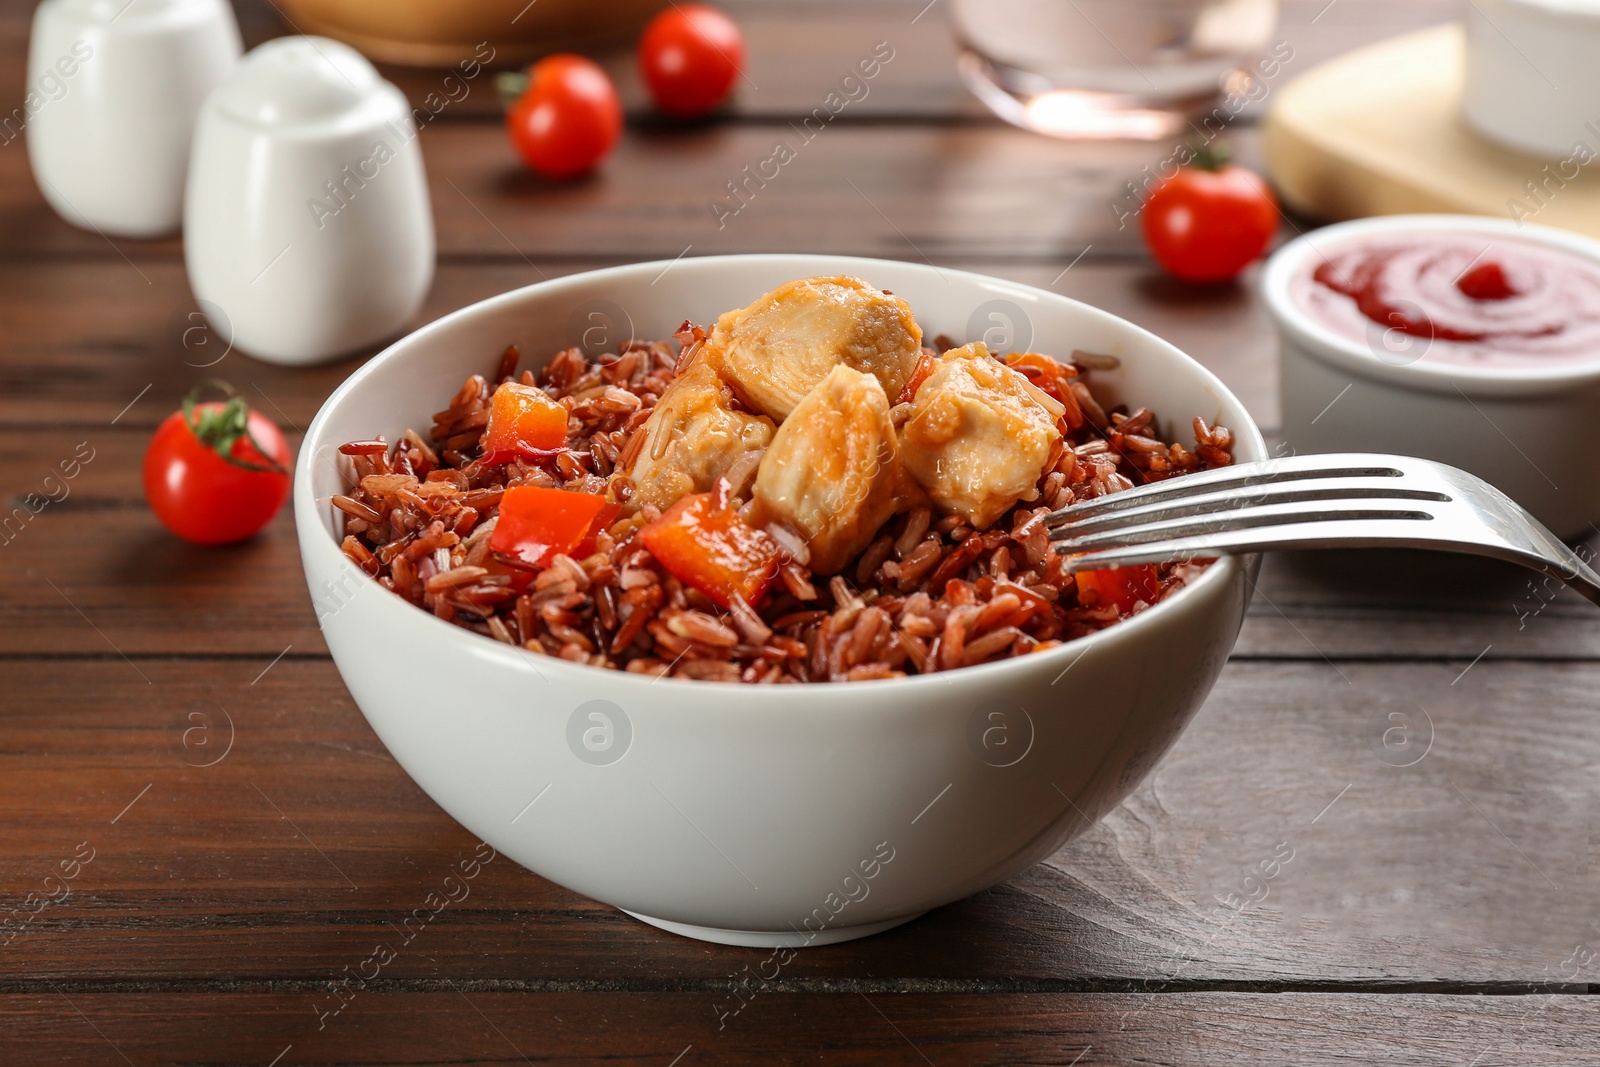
776	350
833	470
979	435
691	438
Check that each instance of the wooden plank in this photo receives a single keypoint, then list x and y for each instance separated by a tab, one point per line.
305	844
84	338
902	191
1399	605
97	575
490	1028
794	58
796	54
898	191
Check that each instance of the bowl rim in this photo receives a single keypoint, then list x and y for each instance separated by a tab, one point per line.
314	536
1326	344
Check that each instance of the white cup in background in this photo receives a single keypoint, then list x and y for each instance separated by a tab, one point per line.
307	221
112	93
1532	78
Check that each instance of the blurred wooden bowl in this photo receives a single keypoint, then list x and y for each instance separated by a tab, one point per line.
426	33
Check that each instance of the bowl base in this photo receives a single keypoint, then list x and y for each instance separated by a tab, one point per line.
772	938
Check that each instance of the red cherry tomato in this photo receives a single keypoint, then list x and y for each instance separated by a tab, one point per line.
1207	223
216	473
568	118
690	56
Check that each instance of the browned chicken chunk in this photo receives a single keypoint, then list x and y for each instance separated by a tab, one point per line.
832	471
692	437
979	435
776	350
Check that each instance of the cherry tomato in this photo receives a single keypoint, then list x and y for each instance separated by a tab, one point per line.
568	119
690	56
217	472
1210	220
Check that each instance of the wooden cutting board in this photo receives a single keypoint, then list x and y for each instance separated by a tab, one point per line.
1378	131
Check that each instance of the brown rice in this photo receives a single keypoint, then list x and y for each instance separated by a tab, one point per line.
929	594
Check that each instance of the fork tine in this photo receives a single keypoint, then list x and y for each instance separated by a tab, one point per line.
1222	502
1219	524
1240	476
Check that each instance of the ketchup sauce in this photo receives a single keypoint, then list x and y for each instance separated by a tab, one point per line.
1476	300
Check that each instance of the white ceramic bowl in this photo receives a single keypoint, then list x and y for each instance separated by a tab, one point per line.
1529	431
1531	80
762	815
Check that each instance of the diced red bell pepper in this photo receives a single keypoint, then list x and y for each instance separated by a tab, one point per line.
1122	586
1053	377
707	545
523	421
924	369
536	523
1048	374
602	521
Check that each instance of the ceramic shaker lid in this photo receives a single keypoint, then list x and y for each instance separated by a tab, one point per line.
294	81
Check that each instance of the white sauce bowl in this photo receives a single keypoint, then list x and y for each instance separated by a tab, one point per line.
1532	432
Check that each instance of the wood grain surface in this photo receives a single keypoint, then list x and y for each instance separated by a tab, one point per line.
171	712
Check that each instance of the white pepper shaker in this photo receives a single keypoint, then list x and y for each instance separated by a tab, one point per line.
113	90
307	220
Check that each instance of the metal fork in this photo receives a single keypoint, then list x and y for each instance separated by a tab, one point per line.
1340	500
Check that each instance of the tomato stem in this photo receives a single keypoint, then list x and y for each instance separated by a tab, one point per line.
222	428
1211	155
511	84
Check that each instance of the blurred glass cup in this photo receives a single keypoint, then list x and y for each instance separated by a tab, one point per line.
1108	68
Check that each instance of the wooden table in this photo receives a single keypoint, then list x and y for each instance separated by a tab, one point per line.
172	710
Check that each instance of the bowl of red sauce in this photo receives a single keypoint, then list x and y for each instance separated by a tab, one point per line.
1467	340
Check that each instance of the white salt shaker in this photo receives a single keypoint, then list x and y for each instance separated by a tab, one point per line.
307	223
113	90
